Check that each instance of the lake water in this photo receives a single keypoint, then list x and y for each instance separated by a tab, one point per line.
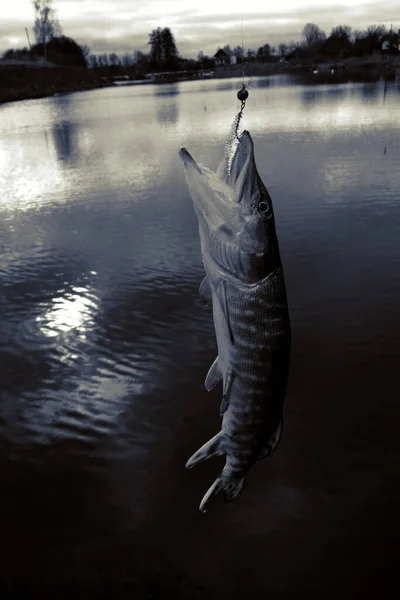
105	344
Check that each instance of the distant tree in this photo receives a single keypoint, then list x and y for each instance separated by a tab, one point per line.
292	46
138	56
264	52
282	50
338	44
92	61
85	51
156	57
238	52
205	62
188	64
358	34
341	32
227	49
113	60
142	63
63	51
17	54
104	60
376	31
169	49
368	41
46	26
127	60
313	35
251	54
163	50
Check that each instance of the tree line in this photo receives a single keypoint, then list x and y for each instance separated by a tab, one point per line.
163	54
344	41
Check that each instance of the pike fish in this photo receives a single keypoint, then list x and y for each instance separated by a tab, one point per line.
245	283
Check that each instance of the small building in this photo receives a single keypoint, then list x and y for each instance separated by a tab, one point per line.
223	58
390	43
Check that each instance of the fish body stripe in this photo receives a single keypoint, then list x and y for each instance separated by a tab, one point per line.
259	360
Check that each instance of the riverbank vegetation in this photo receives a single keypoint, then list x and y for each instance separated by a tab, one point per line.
56	63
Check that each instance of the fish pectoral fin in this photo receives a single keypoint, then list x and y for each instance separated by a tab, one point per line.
211	448
228	485
205	291
225	310
272	442
228	380
214	375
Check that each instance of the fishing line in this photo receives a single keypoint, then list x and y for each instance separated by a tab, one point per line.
242	94
242	52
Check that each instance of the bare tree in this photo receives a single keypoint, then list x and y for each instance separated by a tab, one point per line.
341	32
127	60
93	62
376	31
358	34
138	56
313	34
85	51
113	60
46	25
283	50
264	52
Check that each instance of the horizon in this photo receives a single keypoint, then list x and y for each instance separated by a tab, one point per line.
124	25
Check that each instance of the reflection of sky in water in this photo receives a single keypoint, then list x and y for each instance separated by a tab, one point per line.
129	136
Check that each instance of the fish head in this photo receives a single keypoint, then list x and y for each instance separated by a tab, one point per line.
234	209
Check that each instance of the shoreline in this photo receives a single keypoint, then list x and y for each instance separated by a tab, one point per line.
24	84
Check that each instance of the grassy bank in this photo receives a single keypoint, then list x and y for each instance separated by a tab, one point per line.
23	84
368	68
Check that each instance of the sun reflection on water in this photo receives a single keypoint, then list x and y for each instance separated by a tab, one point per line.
69	312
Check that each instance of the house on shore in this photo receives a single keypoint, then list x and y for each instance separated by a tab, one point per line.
390	43
223	58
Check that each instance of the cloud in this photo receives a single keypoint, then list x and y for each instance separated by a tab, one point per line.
124	25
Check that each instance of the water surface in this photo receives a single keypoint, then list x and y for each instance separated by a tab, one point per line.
105	344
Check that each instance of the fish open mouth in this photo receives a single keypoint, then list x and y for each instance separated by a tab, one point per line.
223	198
238	159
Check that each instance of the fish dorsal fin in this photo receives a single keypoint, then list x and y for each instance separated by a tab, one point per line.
205	291
211	448
214	375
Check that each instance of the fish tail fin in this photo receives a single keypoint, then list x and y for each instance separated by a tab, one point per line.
211	448
227	484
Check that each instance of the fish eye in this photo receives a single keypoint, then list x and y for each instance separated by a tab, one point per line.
263	207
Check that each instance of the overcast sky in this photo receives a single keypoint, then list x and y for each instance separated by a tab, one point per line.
124	25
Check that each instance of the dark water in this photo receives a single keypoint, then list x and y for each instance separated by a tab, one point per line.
104	346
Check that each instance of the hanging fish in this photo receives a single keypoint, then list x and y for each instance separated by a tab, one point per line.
244	279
